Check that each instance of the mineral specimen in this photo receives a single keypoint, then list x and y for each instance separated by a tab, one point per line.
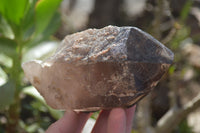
100	69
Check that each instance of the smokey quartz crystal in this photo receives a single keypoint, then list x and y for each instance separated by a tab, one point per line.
100	69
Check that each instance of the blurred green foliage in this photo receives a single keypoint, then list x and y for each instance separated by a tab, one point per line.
24	24
184	128
183	32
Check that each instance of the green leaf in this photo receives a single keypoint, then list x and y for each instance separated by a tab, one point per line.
32	128
34	93
186	9
5	28
55	21
13	10
180	35
3	76
52	26
8	46
172	69
6	94
45	9
28	23
5	65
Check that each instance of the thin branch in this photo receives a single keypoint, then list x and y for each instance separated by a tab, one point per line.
173	30
169	37
192	105
144	116
174	116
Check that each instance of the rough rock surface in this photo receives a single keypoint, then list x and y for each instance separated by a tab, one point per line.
100	69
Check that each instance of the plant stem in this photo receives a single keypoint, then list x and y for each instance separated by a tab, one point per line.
14	109
13	116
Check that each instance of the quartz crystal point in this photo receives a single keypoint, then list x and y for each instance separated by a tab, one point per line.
100	69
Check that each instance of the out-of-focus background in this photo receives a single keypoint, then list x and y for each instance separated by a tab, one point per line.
32	29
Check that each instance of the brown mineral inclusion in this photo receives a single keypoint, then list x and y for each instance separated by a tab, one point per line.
100	69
